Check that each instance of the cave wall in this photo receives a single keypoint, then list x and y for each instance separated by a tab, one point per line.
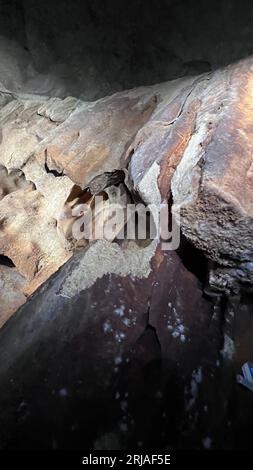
124	328
92	48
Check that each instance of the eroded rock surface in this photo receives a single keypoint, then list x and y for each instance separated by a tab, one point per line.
201	141
57	143
213	184
176	139
128	325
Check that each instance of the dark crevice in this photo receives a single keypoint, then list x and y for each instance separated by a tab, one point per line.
108	178
152	329
149	327
193	260
53	172
5	261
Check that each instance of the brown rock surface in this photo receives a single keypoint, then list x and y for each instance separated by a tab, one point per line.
198	144
95	137
91	139
47	145
213	184
193	134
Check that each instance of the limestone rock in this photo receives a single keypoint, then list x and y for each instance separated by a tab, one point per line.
47	146
175	138
195	150
95	137
212	184
11	182
31	197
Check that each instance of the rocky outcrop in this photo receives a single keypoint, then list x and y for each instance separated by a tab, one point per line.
108	356
120	317
178	140
52	152
54	144
201	141
212	184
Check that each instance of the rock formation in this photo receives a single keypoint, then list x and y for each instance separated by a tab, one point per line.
113	327
176	139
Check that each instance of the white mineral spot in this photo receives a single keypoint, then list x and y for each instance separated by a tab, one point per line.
120	311
127	321
175	334
207	442
119	336
118	360
107	327
228	348
192	392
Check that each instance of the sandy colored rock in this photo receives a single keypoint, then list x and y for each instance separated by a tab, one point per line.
36	181
96	135
12	181
29	237
32	197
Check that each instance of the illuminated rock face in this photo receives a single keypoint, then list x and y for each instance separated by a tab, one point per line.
60	145
213	182
189	139
57	143
201	140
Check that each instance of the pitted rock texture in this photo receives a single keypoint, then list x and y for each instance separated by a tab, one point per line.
50	145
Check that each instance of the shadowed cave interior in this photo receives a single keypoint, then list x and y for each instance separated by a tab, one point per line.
111	345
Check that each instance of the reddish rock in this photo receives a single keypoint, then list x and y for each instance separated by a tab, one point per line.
101	370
